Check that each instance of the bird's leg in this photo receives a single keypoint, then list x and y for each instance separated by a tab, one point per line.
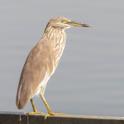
46	104
49	110
33	106
35	112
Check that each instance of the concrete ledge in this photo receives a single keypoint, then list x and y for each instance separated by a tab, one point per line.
22	118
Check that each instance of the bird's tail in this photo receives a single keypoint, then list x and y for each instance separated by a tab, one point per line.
21	97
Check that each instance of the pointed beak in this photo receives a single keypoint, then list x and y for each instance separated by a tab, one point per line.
76	24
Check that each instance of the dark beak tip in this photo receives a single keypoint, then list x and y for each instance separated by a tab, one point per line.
85	25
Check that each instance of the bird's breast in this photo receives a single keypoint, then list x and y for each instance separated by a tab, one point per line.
43	84
59	46
56	40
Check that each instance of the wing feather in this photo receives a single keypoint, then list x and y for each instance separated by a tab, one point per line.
33	72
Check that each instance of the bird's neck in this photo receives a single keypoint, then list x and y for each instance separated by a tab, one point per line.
57	40
54	33
56	37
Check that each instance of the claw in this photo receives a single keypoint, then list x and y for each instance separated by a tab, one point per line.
35	113
46	116
55	114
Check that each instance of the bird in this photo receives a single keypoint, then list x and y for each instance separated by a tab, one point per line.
42	62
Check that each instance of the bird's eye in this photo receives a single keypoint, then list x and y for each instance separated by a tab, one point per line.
63	21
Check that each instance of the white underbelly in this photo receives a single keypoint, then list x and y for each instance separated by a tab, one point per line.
43	83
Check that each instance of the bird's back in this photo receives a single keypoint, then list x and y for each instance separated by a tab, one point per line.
43	59
37	64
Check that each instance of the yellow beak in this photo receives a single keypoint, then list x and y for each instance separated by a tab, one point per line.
76	24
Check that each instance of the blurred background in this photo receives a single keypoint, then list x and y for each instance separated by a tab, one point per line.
90	77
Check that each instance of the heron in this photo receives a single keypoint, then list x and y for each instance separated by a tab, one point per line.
42	62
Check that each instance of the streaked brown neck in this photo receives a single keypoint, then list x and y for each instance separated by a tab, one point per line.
54	33
57	37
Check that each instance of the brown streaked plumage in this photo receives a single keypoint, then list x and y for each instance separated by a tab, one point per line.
42	62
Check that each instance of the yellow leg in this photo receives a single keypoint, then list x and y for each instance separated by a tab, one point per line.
46	104
35	112
49	110
33	106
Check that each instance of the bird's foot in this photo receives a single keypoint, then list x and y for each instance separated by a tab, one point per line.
35	113
53	114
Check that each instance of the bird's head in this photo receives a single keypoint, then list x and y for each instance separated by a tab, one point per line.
64	23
